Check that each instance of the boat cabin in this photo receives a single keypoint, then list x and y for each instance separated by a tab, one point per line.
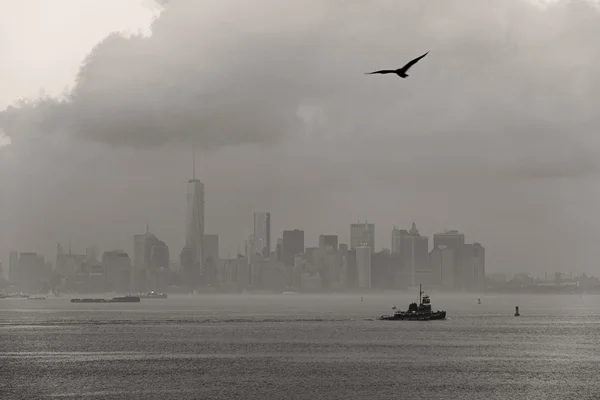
425	303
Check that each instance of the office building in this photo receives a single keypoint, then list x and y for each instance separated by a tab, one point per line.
211	247
262	234
363	267
415	254
117	271
397	237
91	255
139	242
442	263
478	267
362	234
292	245
454	240
329	240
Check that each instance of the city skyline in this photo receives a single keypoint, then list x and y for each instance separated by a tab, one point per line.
502	150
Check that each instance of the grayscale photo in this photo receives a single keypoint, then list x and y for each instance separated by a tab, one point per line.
299	199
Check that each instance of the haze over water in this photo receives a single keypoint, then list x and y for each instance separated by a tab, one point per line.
300	346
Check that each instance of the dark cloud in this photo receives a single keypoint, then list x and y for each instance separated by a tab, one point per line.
223	73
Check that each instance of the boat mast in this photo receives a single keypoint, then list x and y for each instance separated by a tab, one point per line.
420	294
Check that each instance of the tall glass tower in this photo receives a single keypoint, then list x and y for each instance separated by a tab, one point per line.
195	215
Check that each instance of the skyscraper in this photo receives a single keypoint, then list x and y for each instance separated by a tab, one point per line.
262	234
362	234
397	236
453	240
363	267
415	253
138	251
195	216
117	271
328	240
292	245
211	247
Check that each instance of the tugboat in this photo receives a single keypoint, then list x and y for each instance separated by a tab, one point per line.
416	312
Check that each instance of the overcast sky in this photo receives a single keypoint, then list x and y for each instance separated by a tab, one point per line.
494	133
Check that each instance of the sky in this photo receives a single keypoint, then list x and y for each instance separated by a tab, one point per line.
494	133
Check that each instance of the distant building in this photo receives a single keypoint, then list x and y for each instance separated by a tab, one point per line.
343	249
249	245
69	268
329	240
139	242
351	269
415	254
363	266
211	247
117	270
397	237
156	257
156	253
96	280
292	245
385	268
31	272
269	275
327	263
454	240
478	267
91	254
195	217
467	268
235	275
262	234
442	263
362	234
190	267
279	250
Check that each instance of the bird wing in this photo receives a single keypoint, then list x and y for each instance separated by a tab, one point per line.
383	71
413	62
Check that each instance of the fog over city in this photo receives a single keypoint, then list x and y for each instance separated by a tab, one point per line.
495	132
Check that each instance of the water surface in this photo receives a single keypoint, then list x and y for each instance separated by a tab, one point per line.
300	346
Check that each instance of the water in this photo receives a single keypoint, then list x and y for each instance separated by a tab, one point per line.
301	347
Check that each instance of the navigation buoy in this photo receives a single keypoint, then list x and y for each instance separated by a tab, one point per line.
478	301
361	298
517	311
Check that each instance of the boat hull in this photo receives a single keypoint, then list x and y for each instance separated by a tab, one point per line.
126	299
405	316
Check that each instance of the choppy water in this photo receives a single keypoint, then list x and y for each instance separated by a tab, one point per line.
300	346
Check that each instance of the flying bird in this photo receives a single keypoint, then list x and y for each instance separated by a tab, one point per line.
401	72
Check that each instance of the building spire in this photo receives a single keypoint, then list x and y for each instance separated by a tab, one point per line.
194	166
413	230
